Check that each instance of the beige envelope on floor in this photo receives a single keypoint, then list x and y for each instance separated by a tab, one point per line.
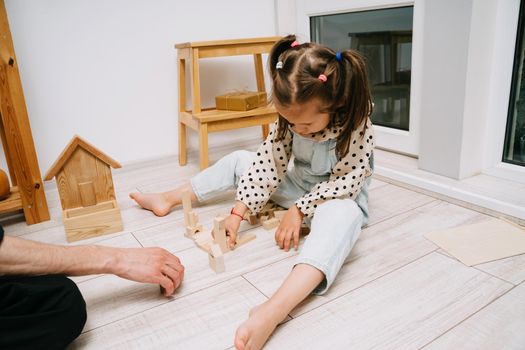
481	242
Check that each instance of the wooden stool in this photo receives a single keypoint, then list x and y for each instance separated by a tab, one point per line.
205	121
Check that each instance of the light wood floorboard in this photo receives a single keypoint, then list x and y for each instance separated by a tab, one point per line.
397	290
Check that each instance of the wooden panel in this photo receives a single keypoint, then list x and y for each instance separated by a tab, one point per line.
76	212
103	182
187	119
87	193
241	123
259	72
498	326
75	143
7	155
181	68
203	146
195	82
20	148
236	50
381	249
406	309
511	269
271	39
81	167
11	203
204	320
19	140
211	115
133	297
97	223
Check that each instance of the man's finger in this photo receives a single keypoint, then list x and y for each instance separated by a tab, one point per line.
167	284
175	264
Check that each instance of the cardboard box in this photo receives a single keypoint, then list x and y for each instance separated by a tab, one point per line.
241	101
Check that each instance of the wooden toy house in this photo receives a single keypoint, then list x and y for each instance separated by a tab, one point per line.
85	187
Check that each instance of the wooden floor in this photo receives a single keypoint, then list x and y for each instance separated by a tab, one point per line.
397	290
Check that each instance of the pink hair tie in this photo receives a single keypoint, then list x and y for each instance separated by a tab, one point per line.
295	43
322	77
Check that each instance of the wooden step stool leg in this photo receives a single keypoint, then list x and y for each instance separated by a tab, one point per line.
203	145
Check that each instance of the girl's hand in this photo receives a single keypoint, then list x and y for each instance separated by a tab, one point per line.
289	229
231	224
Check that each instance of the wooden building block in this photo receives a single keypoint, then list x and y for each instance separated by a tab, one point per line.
279	214
192	230
216	259
203	240
245	238
271	223
251	218
193	219
219	234
186	206
263	218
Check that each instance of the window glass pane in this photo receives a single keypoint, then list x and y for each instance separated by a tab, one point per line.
384	37
514	150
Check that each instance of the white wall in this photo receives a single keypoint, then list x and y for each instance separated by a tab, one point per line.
106	69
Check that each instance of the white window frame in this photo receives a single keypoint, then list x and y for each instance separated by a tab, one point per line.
501	80
406	142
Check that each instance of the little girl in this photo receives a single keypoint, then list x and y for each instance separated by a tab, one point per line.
324	131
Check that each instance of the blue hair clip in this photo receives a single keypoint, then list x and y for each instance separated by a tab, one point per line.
338	56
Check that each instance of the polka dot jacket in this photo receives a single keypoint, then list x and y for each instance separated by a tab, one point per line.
347	177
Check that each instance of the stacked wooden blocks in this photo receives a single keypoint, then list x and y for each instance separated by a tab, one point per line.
215	241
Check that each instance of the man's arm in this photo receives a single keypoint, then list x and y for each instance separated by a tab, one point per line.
148	265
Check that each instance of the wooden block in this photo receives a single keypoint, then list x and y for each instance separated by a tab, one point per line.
245	238
263	218
271	224
192	230
219	234
216	259
186	206
193	219
203	240
96	220
304	230
252	219
279	214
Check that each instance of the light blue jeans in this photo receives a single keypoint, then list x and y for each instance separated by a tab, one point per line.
334	228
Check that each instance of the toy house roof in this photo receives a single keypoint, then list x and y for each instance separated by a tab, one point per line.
75	142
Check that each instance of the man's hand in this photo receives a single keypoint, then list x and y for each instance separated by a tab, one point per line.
149	265
232	224
289	229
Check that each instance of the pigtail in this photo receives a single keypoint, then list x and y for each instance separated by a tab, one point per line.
279	76
356	99
277	50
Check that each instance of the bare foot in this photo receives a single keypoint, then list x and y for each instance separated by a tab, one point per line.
156	202
253	333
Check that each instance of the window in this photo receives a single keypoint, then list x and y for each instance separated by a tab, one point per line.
384	37
514	149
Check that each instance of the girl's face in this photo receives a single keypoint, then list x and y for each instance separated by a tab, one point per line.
306	118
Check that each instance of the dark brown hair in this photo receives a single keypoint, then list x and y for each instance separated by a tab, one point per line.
345	95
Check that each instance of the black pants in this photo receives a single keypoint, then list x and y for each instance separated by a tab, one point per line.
40	312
